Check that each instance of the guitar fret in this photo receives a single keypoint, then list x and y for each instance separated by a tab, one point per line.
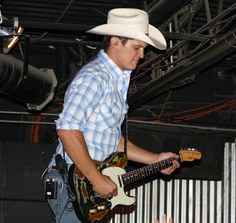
149	170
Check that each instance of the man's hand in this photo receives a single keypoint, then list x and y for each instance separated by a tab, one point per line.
140	155
164	219
167	155
105	187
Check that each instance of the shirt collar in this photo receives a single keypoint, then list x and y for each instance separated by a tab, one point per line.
115	71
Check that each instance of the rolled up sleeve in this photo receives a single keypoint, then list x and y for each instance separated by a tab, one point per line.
81	98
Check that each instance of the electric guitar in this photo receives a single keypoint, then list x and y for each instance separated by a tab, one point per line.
90	207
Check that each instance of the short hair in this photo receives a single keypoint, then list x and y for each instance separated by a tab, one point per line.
106	41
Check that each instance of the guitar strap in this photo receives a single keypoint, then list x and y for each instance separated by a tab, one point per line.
126	134
65	177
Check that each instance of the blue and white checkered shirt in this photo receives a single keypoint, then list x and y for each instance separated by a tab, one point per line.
95	103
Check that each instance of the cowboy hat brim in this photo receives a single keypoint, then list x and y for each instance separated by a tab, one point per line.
154	37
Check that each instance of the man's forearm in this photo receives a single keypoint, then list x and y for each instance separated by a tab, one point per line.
136	153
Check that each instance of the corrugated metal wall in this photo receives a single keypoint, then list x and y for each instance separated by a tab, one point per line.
187	201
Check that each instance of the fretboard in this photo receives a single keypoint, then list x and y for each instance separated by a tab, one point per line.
138	174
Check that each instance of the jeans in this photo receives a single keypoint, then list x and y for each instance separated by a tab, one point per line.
61	206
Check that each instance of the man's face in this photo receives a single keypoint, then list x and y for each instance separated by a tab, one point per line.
128	54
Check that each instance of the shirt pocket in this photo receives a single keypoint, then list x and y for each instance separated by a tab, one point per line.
110	115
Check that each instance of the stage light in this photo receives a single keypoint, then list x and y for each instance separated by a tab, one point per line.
18	79
10	33
12	40
35	88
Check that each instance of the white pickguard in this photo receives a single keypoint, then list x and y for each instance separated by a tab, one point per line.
121	198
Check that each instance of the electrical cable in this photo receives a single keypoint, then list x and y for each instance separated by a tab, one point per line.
189	114
204	113
196	109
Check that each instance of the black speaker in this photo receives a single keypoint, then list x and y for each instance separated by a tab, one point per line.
22	165
25	211
22	198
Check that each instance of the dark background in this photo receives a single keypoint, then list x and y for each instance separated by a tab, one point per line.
181	97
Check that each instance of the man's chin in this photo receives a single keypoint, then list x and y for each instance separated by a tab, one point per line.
133	67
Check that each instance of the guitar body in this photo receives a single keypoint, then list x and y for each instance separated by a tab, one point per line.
88	206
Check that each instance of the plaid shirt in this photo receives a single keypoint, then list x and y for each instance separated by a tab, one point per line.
95	103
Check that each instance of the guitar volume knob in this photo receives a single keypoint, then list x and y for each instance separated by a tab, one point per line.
102	207
93	211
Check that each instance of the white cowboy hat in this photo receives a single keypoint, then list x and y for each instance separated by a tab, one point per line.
131	23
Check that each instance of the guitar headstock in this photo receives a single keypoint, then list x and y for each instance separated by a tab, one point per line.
189	154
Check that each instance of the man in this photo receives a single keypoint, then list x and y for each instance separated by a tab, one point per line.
89	127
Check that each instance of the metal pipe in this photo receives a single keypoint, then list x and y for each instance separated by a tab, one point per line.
199	62
26	113
68	42
26	122
215	129
54	26
164	9
208	15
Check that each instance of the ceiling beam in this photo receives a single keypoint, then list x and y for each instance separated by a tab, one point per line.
46	26
164	9
204	59
63	41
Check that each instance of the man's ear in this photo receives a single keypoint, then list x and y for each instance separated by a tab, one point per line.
115	41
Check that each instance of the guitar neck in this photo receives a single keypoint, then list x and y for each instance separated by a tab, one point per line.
139	174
